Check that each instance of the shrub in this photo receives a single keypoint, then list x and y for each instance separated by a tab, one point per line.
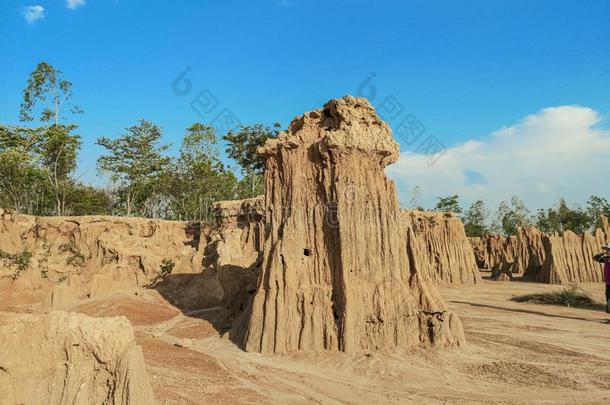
21	261
76	258
570	296
167	265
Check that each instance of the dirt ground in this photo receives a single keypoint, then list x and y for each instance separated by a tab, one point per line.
516	353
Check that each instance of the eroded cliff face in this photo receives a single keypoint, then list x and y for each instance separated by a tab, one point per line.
239	248
444	243
570	257
554	259
64	258
339	270
62	358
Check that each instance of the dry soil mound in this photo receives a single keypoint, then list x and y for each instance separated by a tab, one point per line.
62	358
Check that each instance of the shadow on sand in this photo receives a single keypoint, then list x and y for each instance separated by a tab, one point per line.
201	296
528	311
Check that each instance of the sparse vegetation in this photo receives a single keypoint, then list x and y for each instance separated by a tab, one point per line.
20	261
570	296
76	258
167	266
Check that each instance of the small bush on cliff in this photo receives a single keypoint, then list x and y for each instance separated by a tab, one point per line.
167	265
570	296
20	261
76	258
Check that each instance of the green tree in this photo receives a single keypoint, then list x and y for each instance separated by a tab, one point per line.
597	206
449	204
134	161
509	217
198	178
83	199
563	218
58	153
47	86
547	220
475	219
242	146
23	182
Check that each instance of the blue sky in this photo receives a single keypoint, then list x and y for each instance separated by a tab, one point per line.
464	69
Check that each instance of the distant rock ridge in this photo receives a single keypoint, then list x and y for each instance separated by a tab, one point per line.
546	258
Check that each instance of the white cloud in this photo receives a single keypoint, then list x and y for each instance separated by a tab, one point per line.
73	4
557	152
31	14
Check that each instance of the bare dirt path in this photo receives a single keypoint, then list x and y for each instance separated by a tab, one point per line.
516	353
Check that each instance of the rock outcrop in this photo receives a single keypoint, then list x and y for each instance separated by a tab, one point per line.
524	251
64	258
231	262
239	248
444	243
339	271
554	259
570	257
62	358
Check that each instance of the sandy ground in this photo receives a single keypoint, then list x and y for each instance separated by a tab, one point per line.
516	353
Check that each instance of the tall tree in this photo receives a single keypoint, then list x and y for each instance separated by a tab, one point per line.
198	178
134	161
242	146
23	184
597	206
47	86
509	217
563	218
58	152
475	219
449	204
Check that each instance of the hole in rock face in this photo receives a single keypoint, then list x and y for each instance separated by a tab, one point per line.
306	252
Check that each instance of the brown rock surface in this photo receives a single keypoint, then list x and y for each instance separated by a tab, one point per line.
444	243
570	257
62	358
231	262
239	248
554	259
339	271
75	257
524	251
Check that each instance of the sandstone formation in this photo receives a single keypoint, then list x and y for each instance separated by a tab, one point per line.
554	259
63	258
479	248
239	248
570	257
525	250
228	272
339	271
444	243
62	358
